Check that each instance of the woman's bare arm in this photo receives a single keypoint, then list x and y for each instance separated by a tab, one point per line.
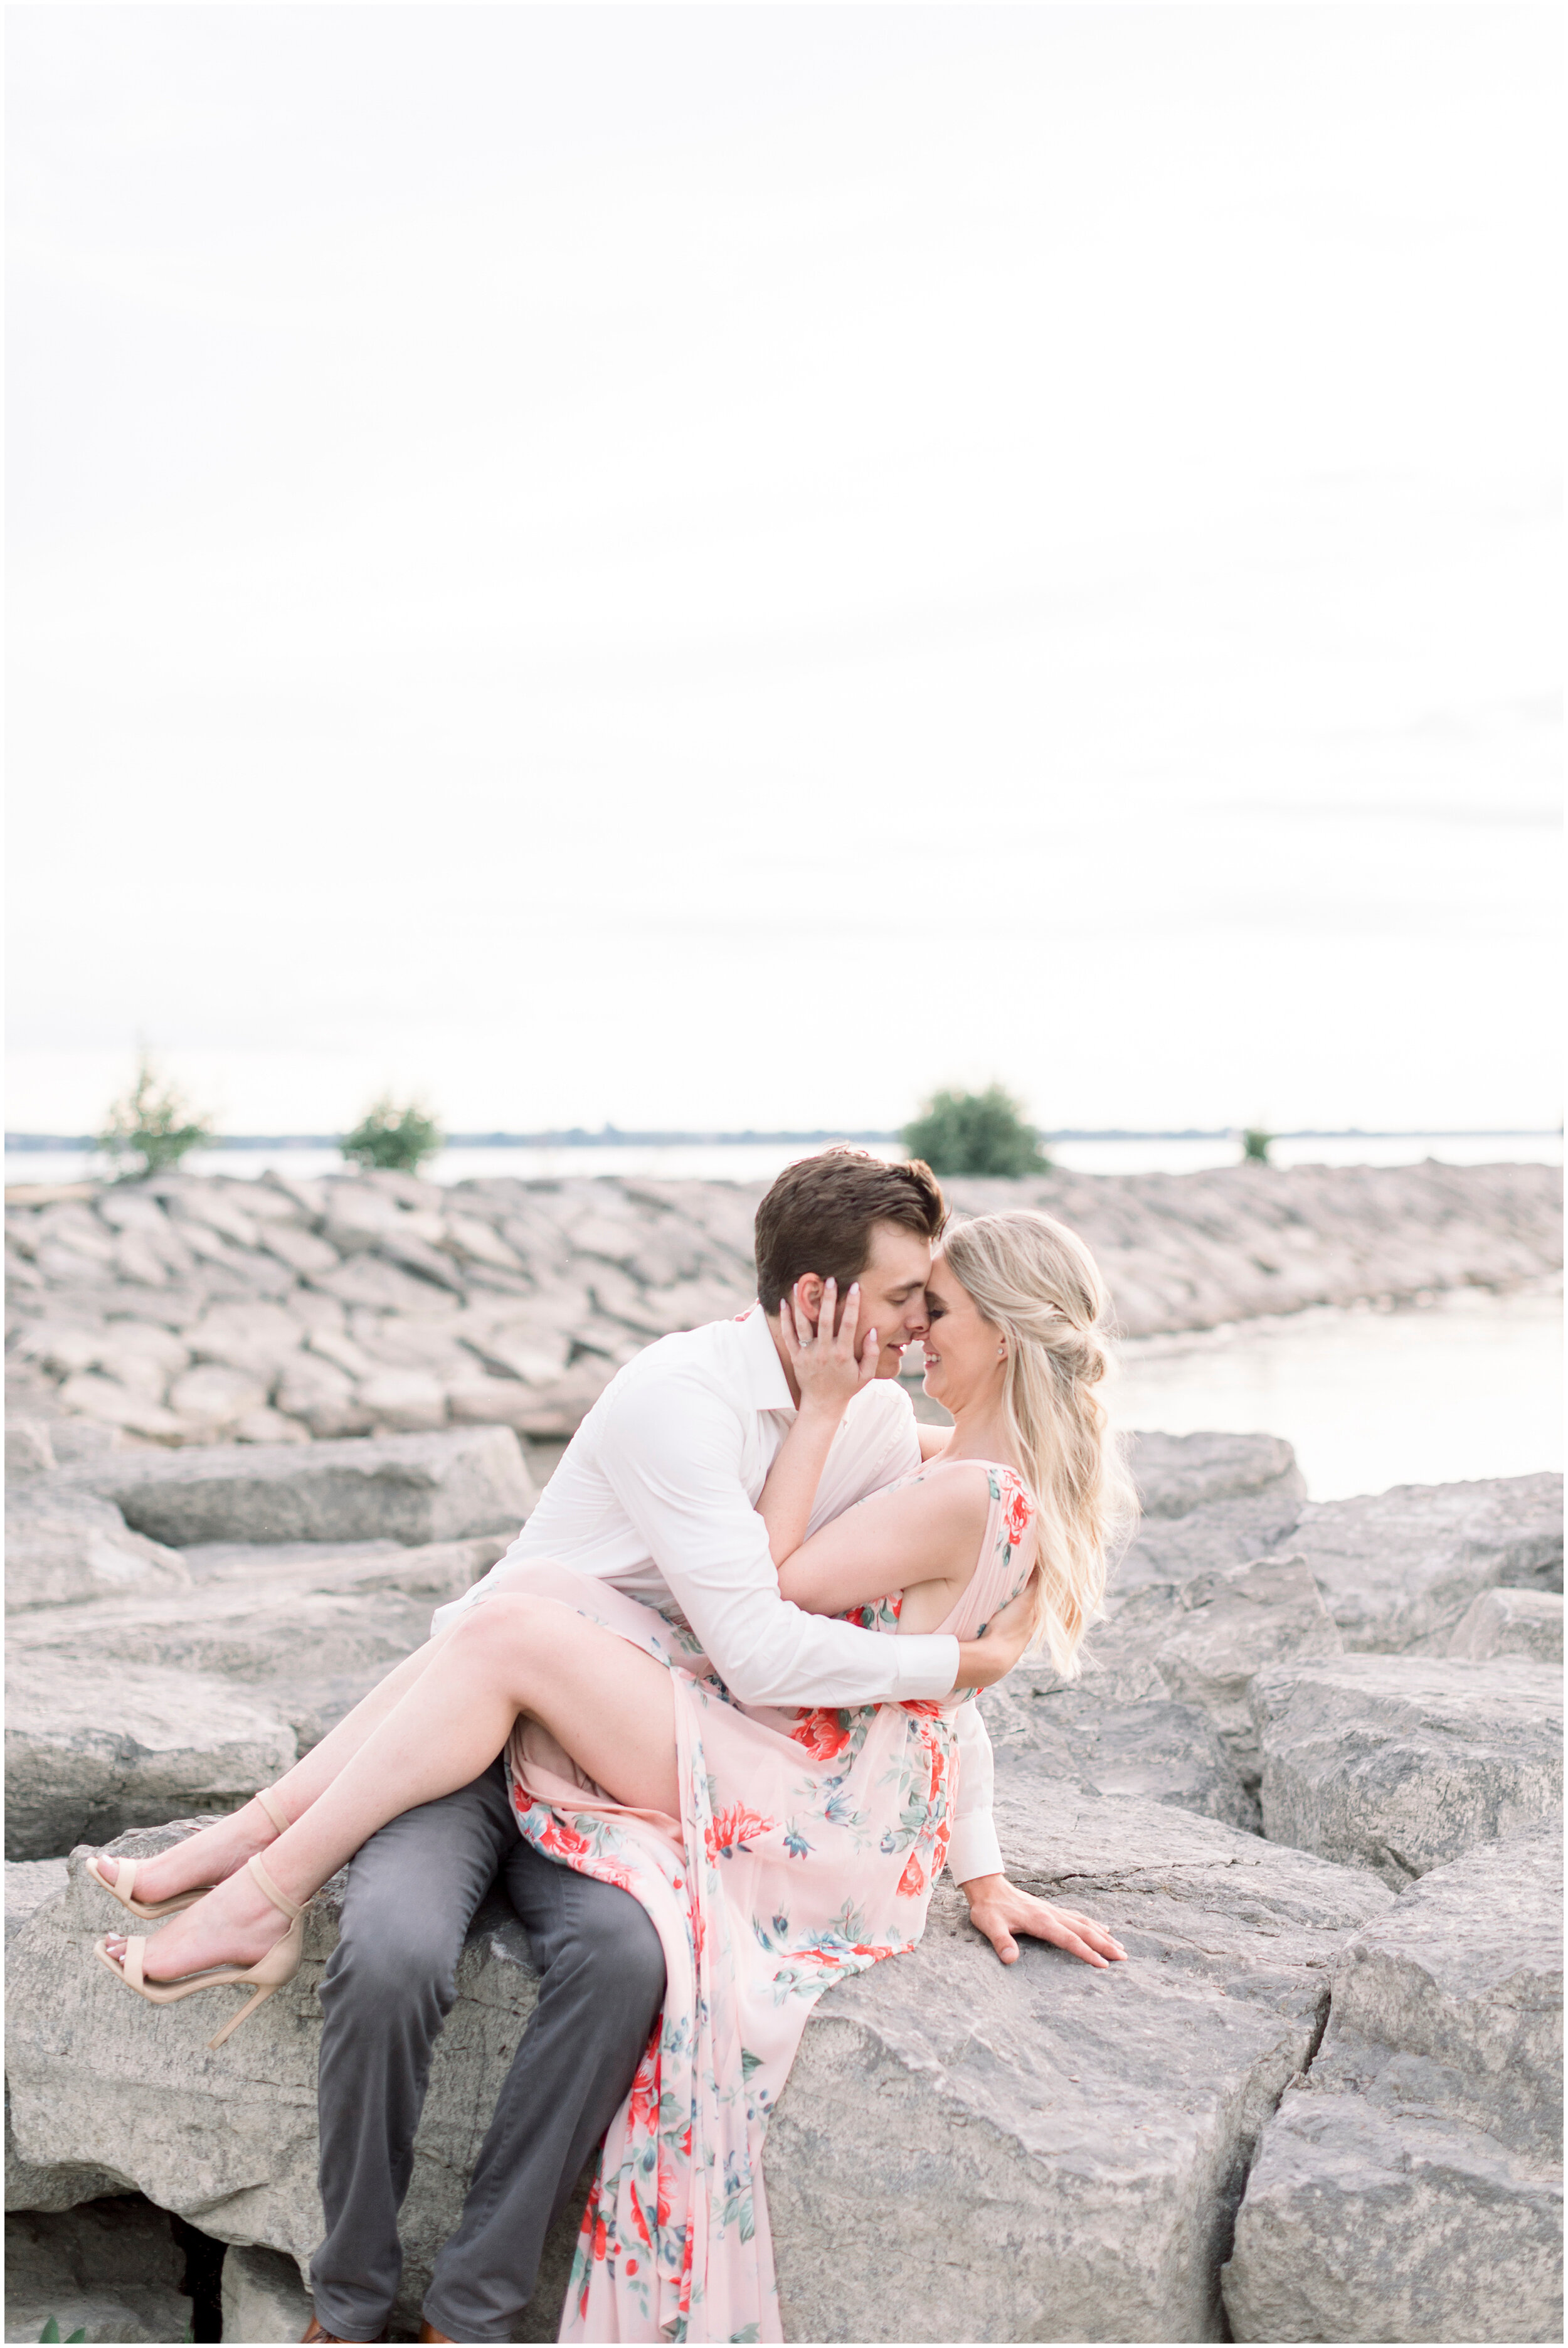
925	1530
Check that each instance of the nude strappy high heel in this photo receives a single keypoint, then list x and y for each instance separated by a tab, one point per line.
123	1888
272	1972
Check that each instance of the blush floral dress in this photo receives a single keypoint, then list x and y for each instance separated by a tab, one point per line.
806	1850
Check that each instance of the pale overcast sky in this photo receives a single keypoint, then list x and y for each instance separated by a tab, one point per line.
719	567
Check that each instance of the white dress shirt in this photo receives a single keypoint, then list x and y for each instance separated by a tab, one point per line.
657	1495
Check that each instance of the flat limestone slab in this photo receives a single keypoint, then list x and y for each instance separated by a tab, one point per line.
1085	2136
63	1547
1178	1473
1150	1748
304	1636
1045	2152
228	2139
1411	2187
1398	1763
1512	1623
1399	1569
414	1489
88	1755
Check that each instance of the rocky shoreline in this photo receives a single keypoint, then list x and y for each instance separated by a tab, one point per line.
198	1310
1311	1774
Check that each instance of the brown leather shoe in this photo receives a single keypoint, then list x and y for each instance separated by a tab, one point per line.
315	2332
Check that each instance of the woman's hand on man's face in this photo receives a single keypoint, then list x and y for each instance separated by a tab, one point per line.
830	1368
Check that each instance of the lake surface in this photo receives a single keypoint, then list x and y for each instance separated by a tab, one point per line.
759	1161
1468	1385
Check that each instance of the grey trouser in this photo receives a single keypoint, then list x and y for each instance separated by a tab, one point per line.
411	1894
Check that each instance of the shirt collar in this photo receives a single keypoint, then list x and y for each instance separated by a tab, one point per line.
764	1372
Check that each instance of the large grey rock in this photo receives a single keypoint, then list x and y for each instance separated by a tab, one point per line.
1399	1569
88	1755
1178	1473
305	1631
112	2268
1511	1623
263	2297
1083	2136
1150	1747
228	2139
29	1884
63	1545
1216	1533
1047	2152
1208	1637
1398	1763
415	1488
1410	2186
28	1450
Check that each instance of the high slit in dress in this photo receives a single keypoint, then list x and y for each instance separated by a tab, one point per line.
806	1850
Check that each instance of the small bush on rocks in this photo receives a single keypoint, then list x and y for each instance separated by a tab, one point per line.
976	1133
153	1123
397	1138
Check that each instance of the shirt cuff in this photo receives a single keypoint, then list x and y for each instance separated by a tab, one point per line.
926	1666
974	1848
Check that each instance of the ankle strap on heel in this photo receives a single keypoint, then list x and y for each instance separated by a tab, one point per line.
274	1808
279	1898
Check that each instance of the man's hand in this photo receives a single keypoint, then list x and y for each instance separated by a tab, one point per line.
984	1661
999	1909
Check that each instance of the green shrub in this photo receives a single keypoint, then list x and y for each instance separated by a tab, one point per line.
974	1133
387	1135
51	2330
1255	1146
153	1124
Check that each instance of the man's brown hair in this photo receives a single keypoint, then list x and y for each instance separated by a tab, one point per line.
819	1214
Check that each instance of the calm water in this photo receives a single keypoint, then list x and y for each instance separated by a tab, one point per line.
760	1161
1468	1386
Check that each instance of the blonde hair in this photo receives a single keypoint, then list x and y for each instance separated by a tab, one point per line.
1041	1288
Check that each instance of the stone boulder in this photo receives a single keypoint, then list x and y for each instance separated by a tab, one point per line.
90	1754
304	1636
1217	1533
932	2102
63	1545
1410	2186
415	1488
1209	1634
228	2139
1398	1763
111	2268
1178	1473
1511	1623
1149	1747
263	2297
1399	1569
1082	2135
28	1450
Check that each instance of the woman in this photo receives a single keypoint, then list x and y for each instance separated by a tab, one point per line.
774	1853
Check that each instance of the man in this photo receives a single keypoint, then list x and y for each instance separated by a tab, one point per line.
656	1495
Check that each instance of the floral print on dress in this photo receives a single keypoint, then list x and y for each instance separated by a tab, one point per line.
804	1853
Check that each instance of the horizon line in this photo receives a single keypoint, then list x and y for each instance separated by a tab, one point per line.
611	1137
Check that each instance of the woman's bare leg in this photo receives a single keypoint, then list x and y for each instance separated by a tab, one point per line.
214	1855
609	1705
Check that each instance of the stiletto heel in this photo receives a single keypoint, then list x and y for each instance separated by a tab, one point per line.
123	1888
273	1971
